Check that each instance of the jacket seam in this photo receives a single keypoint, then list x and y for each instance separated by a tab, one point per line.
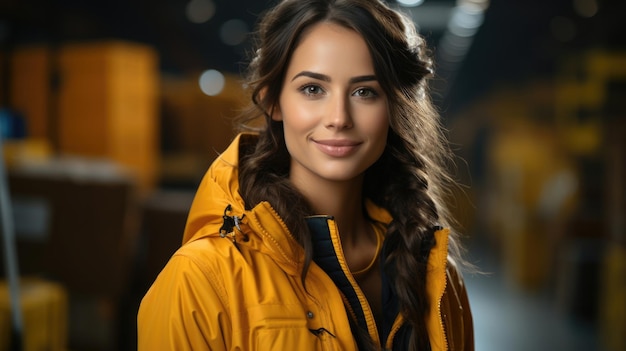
211	277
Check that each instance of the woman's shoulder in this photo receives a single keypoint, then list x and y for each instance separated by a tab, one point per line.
203	262
209	251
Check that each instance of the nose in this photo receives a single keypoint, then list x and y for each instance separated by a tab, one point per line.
338	115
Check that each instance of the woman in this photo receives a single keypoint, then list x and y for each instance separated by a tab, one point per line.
324	230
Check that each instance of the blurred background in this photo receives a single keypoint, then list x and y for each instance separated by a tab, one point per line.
111	111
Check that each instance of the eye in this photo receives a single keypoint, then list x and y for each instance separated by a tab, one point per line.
311	90
365	93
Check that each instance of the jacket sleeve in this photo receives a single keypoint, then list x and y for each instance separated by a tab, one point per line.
184	309
457	312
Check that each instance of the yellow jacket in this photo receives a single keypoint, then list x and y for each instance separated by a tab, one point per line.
243	290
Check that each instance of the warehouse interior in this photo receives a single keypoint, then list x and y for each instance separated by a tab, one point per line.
112	111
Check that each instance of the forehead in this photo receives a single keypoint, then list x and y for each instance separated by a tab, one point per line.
329	47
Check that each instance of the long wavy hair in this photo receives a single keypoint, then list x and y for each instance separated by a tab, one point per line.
416	151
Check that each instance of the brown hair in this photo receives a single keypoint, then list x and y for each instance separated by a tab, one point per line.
416	150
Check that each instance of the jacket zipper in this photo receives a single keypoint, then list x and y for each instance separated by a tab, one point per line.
397	324
443	327
365	307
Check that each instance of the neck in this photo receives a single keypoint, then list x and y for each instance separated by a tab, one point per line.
343	201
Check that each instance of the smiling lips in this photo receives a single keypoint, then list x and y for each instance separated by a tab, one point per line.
337	147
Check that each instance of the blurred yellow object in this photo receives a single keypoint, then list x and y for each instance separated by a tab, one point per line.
25	151
533	189
580	103
29	88
108	105
583	138
44	315
613	299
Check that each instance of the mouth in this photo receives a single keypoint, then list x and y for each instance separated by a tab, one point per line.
337	147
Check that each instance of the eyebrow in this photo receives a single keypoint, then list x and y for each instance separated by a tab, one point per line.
326	78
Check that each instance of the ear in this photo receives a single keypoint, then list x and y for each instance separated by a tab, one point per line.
276	114
274	110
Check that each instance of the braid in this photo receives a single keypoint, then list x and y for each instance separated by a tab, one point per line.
410	236
263	176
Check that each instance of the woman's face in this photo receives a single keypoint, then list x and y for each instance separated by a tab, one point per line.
332	107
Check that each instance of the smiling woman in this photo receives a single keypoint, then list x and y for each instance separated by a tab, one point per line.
324	229
333	110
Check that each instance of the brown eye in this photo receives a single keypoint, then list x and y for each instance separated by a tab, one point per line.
365	93
311	90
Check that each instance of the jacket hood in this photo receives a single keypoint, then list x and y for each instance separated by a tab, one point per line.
218	200
218	189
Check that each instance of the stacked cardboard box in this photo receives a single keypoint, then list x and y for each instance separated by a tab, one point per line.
44	315
108	104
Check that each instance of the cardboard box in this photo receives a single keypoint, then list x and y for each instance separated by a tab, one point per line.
44	315
108	104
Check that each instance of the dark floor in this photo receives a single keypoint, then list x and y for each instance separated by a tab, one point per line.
508	318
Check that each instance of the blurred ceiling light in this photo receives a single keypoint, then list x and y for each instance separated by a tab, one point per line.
200	11
410	3
212	82
234	32
586	8
466	19
453	48
455	44
482	4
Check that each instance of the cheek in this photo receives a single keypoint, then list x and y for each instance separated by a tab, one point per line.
378	122
298	117
382	140
379	129
297	121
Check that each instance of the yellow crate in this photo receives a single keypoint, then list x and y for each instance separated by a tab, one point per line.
613	299
108	105
44	315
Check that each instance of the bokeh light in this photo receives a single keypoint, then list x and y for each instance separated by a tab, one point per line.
586	8
409	3
233	32
212	82
200	11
